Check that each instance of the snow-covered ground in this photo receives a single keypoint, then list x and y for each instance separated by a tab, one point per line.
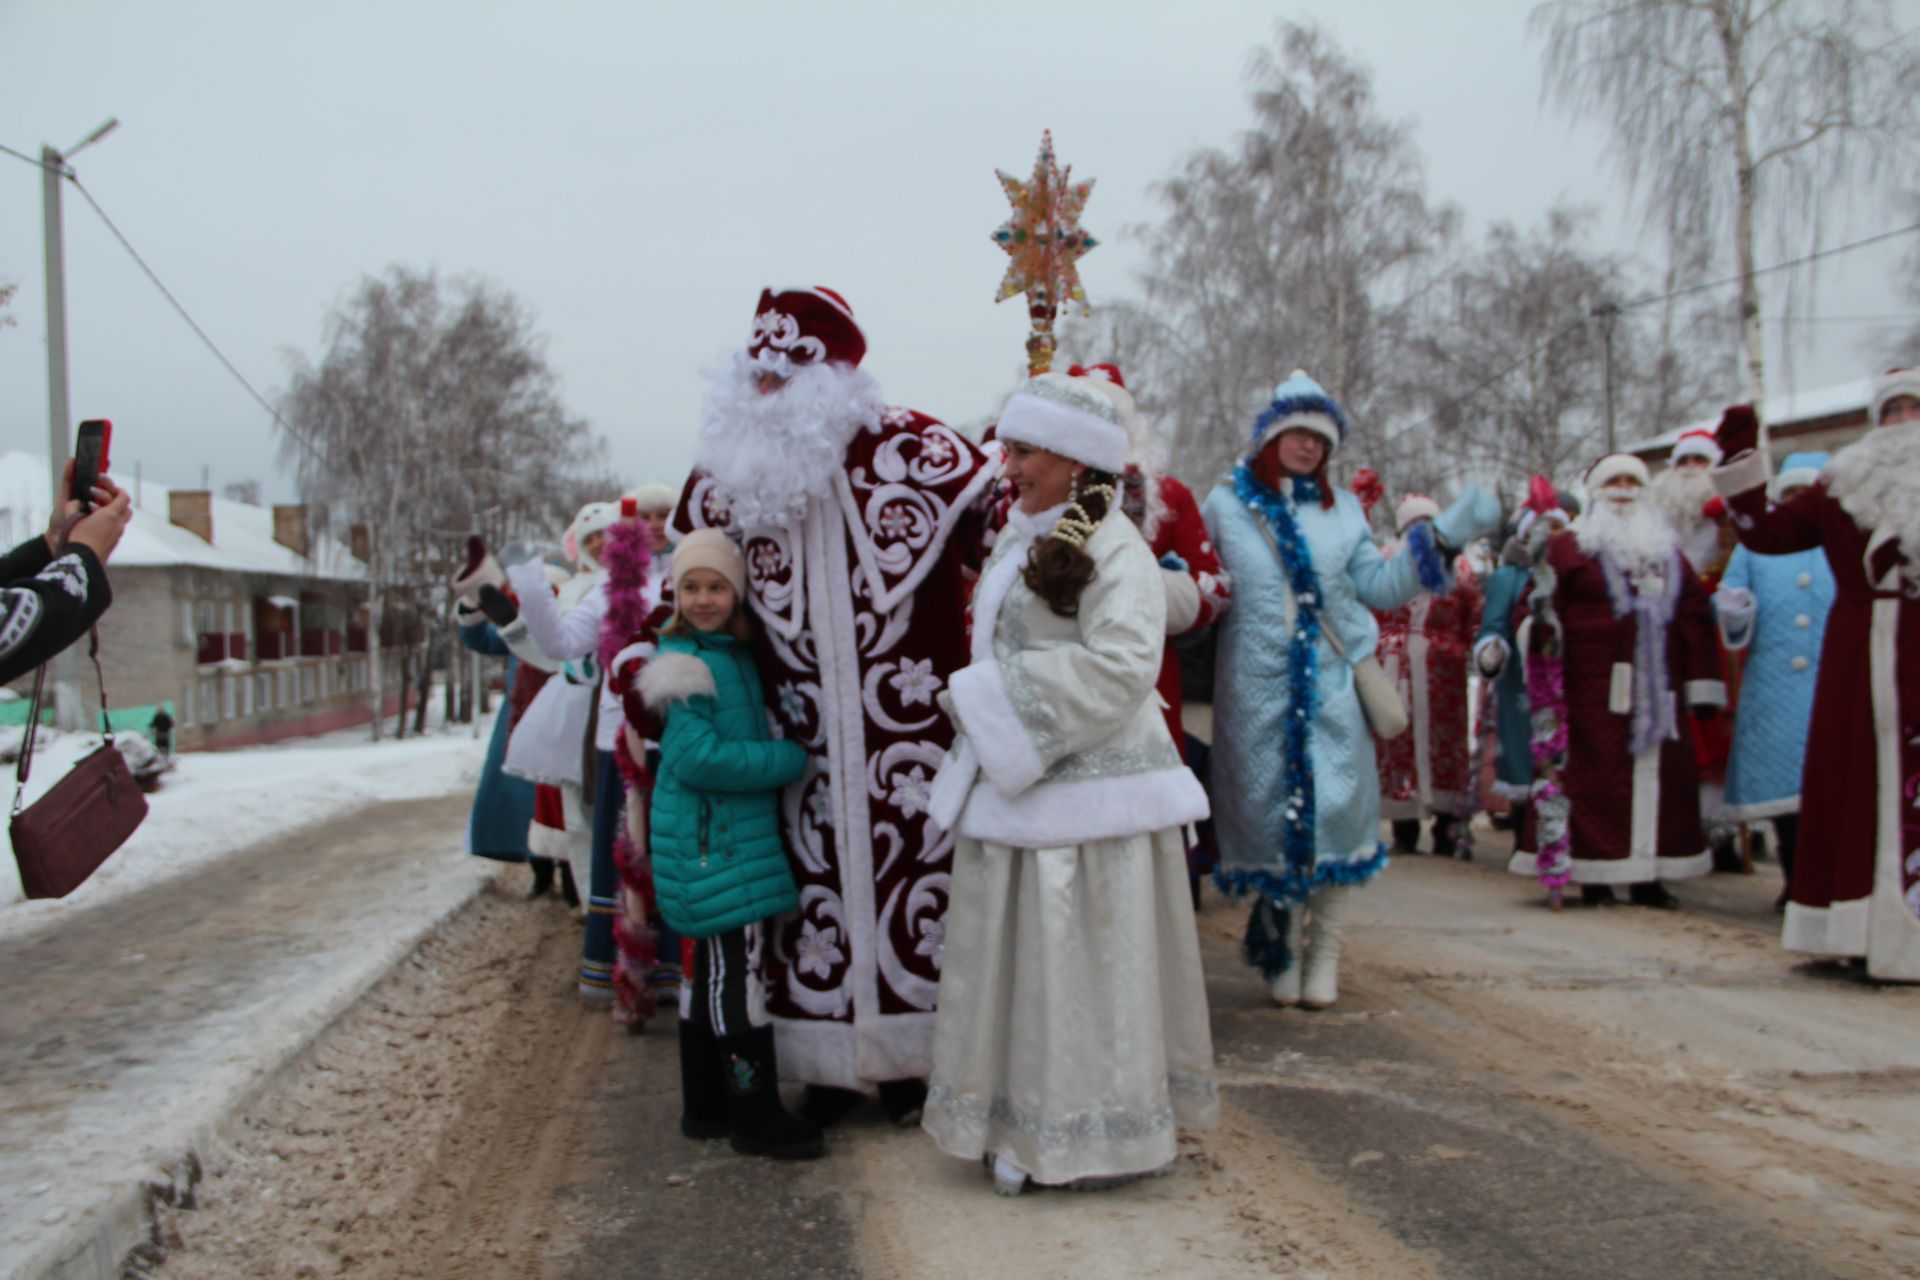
215	802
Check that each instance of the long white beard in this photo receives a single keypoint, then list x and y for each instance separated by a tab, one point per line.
1634	535
1680	493
1876	480
768	454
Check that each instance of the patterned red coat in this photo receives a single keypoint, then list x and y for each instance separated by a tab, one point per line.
862	612
1425	647
1634	818
1196	594
1856	880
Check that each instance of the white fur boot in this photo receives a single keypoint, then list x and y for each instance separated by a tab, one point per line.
1286	987
1322	983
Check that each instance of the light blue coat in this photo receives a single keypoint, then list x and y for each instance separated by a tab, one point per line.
1251	695
1792	595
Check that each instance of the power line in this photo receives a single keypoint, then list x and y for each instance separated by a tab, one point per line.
184	315
1815	256
35	161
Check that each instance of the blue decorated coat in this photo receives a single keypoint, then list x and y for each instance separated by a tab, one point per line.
1781	633
502	804
1252	697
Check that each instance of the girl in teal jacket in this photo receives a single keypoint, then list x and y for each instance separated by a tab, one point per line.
719	865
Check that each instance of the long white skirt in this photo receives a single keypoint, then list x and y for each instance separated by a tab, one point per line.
1072	1035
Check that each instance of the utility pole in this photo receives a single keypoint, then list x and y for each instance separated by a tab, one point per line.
54	170
1608	314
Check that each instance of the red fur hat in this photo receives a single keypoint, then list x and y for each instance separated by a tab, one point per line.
807	325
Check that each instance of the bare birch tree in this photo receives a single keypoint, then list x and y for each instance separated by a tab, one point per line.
431	413
1741	118
1304	245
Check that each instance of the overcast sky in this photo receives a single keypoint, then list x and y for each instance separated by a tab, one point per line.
636	172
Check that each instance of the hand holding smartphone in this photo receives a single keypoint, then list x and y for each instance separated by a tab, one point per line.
90	460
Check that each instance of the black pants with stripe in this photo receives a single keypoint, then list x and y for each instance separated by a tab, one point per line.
718	993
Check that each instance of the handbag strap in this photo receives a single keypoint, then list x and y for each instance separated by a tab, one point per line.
23	768
1319	614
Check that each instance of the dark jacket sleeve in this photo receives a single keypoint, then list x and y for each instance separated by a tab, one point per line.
25	560
43	613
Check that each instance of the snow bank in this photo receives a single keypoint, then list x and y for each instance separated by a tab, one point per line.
216	802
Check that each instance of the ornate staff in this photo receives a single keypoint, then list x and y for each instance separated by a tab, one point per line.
1044	240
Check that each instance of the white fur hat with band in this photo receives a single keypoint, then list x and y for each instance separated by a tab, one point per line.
1894	383
1066	416
1612	467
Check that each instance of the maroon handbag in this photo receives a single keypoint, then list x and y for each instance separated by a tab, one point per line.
63	837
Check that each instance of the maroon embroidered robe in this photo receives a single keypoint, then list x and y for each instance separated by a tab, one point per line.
862	612
1856	877
1634	818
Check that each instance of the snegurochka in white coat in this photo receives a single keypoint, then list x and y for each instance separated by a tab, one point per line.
1072	1034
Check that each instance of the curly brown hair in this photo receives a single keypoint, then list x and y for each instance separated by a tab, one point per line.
1058	568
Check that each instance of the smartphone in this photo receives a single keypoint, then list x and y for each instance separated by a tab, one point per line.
90	459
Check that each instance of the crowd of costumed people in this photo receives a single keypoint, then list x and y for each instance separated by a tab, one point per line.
863	746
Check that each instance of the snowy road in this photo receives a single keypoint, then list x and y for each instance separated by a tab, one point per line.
1610	1094
131	1027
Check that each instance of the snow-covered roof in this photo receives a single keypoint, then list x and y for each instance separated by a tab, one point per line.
1790	406
242	533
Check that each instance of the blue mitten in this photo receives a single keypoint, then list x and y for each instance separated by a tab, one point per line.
1172	561
1474	514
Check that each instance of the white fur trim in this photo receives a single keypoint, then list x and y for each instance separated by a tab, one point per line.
1321	423
1643	819
1007	754
1612	467
487	573
1071	813
1838	929
1705	693
674	677
1696	444
1183	600
894	1046
1792	478
1414	506
1893	933
1763	809
1744	473
1898	382
1063	429
1641	869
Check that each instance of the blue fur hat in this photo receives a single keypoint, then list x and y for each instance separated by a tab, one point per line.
1798	470
1300	402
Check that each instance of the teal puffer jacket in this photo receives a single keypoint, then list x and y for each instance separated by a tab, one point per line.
718	859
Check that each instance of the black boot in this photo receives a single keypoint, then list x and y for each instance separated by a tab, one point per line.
1406	835
569	892
904	1100
542	877
1651	893
761	1125
703	1083
1445	837
826	1106
1786	833
1596	895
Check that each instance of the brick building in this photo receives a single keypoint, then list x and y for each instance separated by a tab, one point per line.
247	626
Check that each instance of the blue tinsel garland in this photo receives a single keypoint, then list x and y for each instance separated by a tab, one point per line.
1422	546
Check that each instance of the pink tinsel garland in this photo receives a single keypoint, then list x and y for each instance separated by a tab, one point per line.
636	951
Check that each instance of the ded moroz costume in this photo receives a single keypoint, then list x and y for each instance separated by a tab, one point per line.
857	522
1856	889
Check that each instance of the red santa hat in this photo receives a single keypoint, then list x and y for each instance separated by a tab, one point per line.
808	325
1070	416
1612	467
1415	506
1894	382
1696	444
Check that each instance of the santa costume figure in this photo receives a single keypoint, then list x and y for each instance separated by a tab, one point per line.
1424	646
856	521
1621	645
1856	880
